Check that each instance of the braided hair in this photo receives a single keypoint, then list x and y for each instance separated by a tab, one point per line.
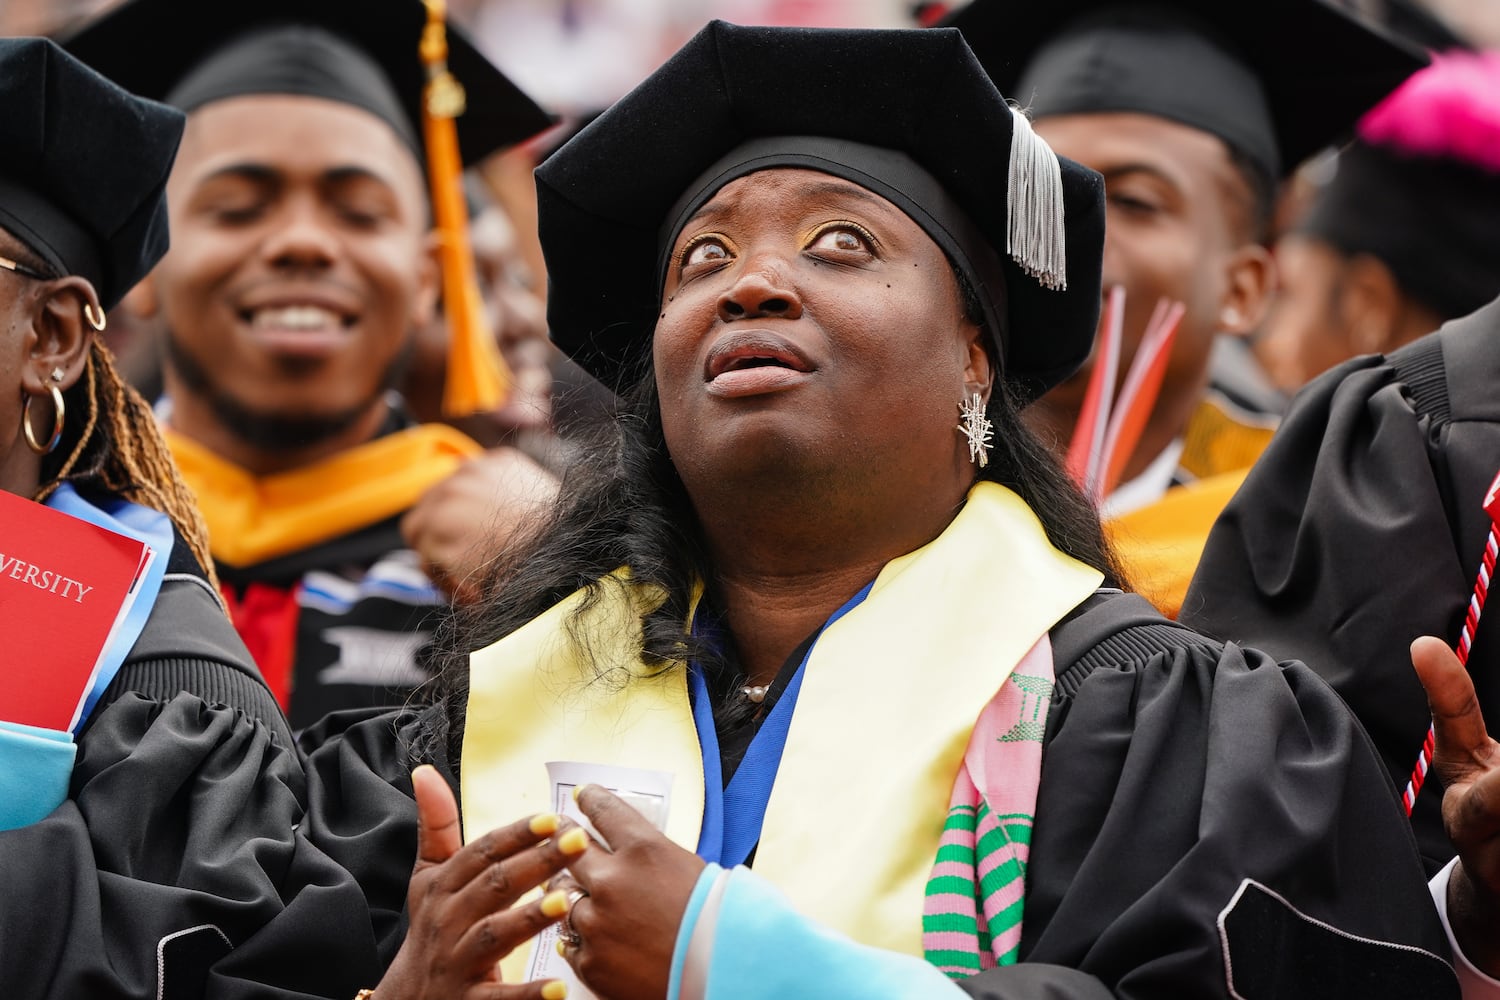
117	449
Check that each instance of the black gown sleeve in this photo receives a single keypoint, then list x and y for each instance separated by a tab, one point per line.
1361	528
362	813
177	869
1213	823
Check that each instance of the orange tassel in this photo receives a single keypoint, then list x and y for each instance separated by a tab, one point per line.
478	380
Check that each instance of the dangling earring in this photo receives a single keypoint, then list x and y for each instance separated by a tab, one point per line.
96	320
60	408
977	428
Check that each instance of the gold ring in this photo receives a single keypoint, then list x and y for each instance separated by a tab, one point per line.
565	932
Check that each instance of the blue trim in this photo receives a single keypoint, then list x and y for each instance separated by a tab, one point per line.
393	590
733	816
689	921
765	950
325	595
410	595
143	524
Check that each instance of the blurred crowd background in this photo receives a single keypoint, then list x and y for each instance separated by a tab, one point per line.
576	56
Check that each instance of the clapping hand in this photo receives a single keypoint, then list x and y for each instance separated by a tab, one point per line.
461	901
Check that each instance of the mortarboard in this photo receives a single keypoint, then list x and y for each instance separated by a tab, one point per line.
1277	80
103	222
359	52
396	59
908	114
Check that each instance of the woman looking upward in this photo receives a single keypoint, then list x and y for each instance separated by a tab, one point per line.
818	572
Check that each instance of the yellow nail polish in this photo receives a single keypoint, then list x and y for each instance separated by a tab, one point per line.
555	904
574	841
562	949
555	990
577	791
544	825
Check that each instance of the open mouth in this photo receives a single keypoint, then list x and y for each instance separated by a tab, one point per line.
767	361
746	352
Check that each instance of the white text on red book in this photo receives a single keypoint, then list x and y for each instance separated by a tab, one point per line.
42	579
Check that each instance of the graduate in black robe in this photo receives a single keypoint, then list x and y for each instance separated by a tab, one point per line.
285	332
1178	778
1208	822
1363	527
159	857
1153	811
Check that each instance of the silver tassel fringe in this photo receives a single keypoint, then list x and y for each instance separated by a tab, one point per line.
1036	239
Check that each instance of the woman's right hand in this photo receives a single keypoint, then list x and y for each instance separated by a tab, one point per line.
461	902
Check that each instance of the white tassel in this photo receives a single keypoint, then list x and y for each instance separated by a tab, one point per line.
1036	239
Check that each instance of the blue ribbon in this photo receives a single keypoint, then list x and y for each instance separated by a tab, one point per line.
733	816
144	525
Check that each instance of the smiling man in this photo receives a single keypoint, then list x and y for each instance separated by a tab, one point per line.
1192	110
303	261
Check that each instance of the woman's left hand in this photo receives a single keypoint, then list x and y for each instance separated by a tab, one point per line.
637	892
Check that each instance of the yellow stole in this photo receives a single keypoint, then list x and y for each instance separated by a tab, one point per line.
889	696
1160	544
1221	437
255	518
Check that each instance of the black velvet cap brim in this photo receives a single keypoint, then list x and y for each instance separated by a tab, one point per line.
1434	222
1320	68
83	167
298	59
149	46
604	197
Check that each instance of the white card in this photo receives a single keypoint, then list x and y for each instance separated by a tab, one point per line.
650	792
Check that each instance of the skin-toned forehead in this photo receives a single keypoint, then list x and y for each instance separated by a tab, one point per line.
18	290
792	195
297	136
810	188
13	247
805	200
778	191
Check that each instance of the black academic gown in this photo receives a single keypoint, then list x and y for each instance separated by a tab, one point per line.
1362	528
369	645
176	869
1175	770
346	622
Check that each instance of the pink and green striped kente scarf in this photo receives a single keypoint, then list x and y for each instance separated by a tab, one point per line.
975	895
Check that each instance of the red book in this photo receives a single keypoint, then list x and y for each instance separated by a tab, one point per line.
65	586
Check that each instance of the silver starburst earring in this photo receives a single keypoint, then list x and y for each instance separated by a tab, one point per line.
975	426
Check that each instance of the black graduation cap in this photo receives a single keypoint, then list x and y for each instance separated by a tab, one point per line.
64	190
909	114
358	52
1276	79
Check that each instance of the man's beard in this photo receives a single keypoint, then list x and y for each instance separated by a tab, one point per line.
275	431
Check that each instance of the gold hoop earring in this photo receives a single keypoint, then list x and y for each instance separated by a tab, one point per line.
96	320
60	408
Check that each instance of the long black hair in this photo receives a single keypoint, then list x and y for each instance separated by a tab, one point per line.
622	503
